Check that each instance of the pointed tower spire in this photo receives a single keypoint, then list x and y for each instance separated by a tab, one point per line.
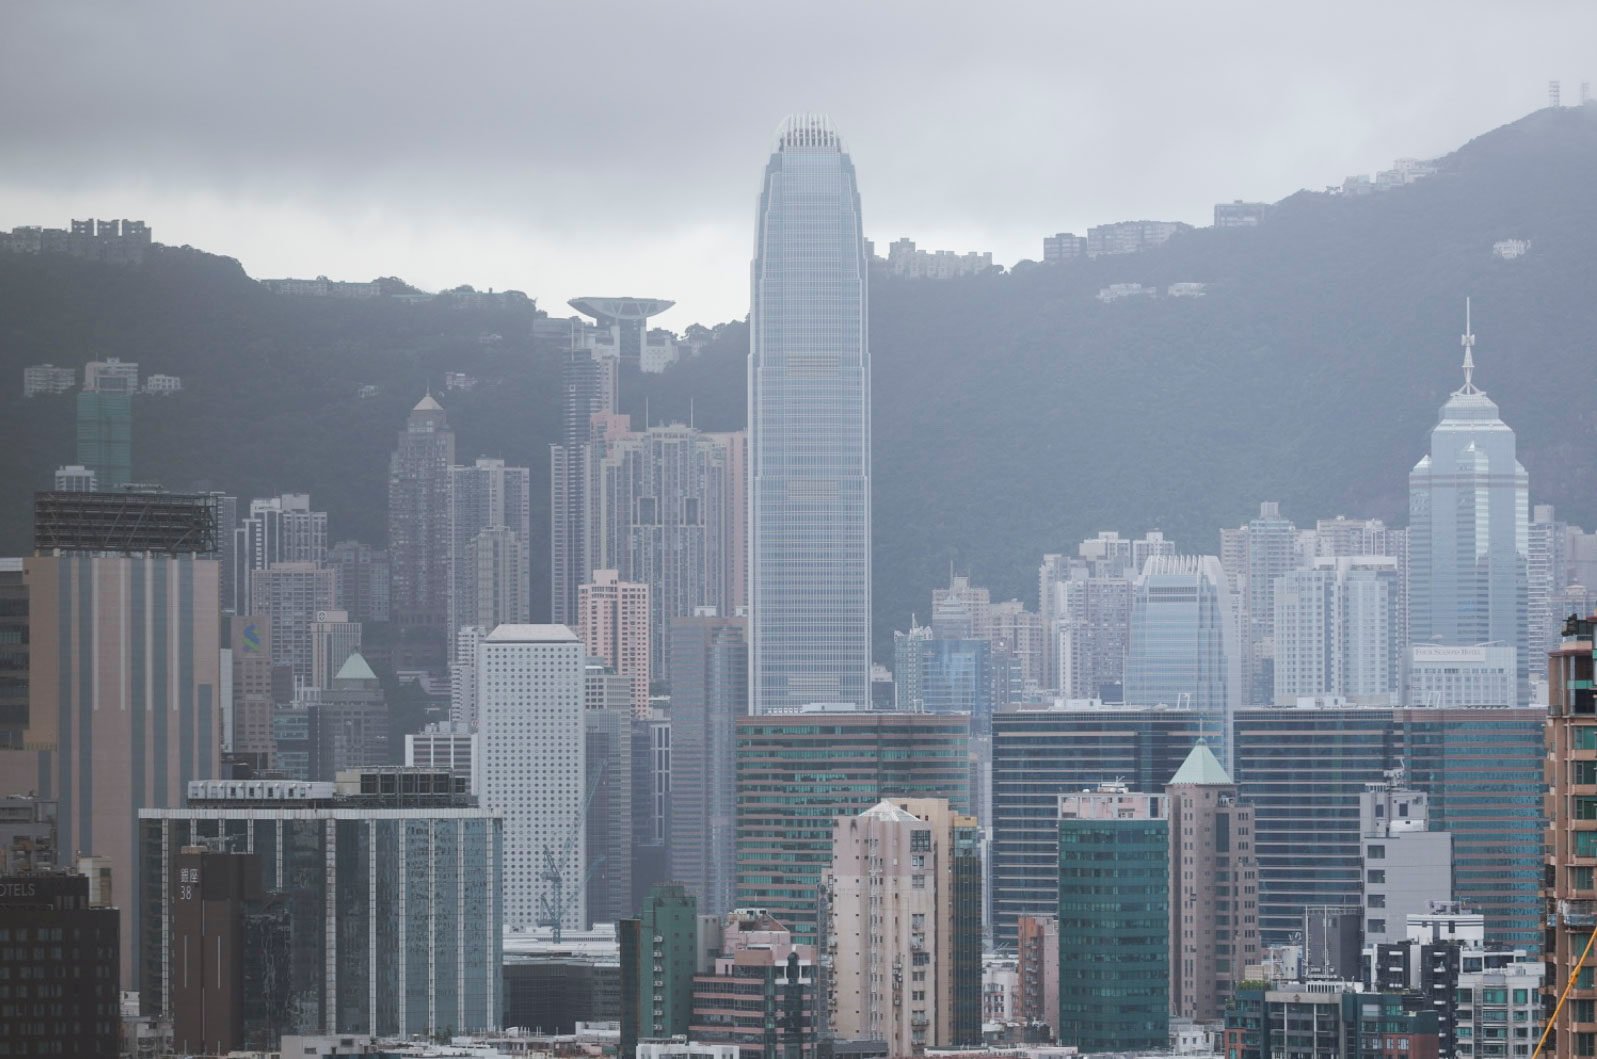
1468	342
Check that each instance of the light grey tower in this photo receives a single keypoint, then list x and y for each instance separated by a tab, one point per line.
809	429
1469	528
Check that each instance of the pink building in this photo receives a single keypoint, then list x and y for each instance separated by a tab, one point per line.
613	623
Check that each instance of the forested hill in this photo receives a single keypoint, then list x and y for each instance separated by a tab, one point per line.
1014	413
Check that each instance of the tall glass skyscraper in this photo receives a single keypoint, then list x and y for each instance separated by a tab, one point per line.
809	429
1469	529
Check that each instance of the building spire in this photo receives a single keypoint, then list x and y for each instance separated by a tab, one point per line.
1468	342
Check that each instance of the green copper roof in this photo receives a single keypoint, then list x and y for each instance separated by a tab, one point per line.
1201	769
355	668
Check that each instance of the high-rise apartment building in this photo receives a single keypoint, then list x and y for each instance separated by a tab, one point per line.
659	956
1254	556
1336	632
1184	643
490	528
124	697
588	388
418	521
279	529
669	514
1407	866
290	596
760	991
797	773
903	926
1469	528
389	898
1114	920
1569	891
613	622
1037	968
362	580
529	695
709	674
809	429
1214	887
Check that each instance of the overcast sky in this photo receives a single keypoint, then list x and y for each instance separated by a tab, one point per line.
604	148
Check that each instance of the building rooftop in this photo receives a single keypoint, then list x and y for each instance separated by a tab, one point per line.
1201	769
355	668
531	634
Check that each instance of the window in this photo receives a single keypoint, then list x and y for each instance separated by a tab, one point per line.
1580	878
1377	900
1375	852
1377	876
1585	808
1375	926
1583	772
1586	843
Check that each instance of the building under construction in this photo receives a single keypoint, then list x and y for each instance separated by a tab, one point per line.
130	522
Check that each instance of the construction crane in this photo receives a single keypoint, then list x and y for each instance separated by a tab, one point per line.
558	900
1574	976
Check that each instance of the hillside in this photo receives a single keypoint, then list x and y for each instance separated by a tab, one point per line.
1014	412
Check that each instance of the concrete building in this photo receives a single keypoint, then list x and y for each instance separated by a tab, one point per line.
613	622
1239	214
418	523
809	503
529	694
1336	632
362	574
159	385
798	773
447	746
1443	677
61	958
1130	237
1213	888
249	733
333	639
760	991
349	724
490	531
111	375
709	691
659	956
1184	644
1037	971
903	892
1063	247
47	379
1114	920
1407	866
388	885
75	478
907	262
290	596
550	985
279	529
1469	526
122	713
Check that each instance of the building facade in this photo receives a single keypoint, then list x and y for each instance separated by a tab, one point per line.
490	510
613	622
418	521
809	429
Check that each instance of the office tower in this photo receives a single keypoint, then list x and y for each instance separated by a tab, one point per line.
1039	755
333	639
207	951
445	746
1336	632
529	697
909	666
105	437
13	654
124	685
279	529
809	429
588	388
418	522
667	515
651	803
251	735
760	991
609	826
613	622
1407	867
1214	888
490	529
659	957
1570	892
1481	770
74	478
1469	523
389	881
61	959
362	576
1114	920
798	773
1183	643
551	986
709	674
290	596
903	932
349	724
1547	576
1445	677
957	677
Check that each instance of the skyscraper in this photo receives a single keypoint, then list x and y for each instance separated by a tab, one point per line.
613	622
1569	892
588	387
1183	643
1469	528
809	429
278	529
105	437
489	528
1336	631
418	521
529	695
291	596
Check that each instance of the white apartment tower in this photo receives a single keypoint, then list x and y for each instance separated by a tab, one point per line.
529	694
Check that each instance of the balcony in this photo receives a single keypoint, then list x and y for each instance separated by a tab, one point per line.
1576	914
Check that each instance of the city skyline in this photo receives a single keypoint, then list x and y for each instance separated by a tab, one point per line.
1420	88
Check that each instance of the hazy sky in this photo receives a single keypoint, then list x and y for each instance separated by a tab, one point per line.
605	148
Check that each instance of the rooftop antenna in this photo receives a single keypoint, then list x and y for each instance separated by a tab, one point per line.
1554	90
690	413
1468	342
